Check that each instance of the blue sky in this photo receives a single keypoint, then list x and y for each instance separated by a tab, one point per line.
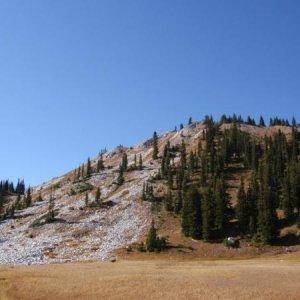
78	76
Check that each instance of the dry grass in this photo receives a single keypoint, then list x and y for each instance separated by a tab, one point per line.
274	278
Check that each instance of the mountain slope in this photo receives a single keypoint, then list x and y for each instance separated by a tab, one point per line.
81	233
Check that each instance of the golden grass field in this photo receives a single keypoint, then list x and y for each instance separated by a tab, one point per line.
269	278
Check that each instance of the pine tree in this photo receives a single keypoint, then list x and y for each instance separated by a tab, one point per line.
140	162
169	201
88	168
241	209
287	204
51	213
155	146
28	199
120	179
252	198
86	199
100	164
266	208
178	202
221	206
183	155
207	215
190	121
170	179
191	213
261	122
151	241
124	162
98	196
18	203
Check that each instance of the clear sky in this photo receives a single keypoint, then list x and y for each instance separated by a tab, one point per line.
78	76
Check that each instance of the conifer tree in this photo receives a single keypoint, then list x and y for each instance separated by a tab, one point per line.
124	162
241	209
221	205
155	146
183	155
287	204
261	122
98	196
151	241
28	199
140	162
191	213
120	179
252	198
100	164
169	201
88	168
51	213
170	179
266	208
207	215
178	202
18	203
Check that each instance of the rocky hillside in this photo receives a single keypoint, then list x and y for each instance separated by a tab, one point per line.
86	233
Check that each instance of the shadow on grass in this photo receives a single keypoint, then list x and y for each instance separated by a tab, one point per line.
288	240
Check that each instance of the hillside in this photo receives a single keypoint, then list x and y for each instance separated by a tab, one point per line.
87	233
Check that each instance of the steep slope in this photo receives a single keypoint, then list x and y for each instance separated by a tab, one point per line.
81	233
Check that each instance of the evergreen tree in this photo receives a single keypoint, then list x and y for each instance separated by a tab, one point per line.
241	209
169	201
140	162
100	164
86	199
151	241
88	168
221	206
178	202
190	121
252	198
155	146
124	162
170	179
28	199
51	213
18	203
266	208
120	179
98	196
207	214
261	122
191	213
287	201
183	155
